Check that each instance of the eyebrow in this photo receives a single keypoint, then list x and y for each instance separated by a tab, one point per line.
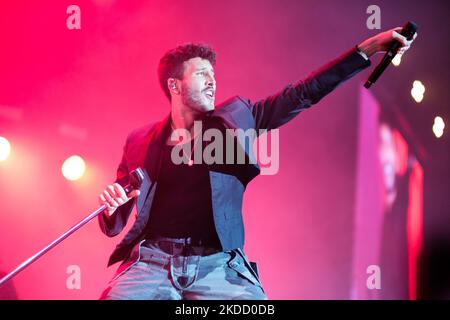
203	68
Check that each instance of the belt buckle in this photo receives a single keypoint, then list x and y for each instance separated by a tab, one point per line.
189	241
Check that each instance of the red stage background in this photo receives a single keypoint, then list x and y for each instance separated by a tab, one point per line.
65	92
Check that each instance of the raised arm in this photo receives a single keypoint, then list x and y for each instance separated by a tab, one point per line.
277	109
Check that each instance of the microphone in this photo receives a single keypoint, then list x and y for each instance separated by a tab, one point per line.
408	31
136	178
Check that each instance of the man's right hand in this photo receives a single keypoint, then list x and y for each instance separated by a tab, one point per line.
114	196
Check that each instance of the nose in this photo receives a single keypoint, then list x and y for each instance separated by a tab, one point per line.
210	81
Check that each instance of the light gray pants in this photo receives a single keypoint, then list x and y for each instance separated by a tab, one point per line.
153	274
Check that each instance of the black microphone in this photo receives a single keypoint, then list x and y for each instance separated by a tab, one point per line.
136	178
408	31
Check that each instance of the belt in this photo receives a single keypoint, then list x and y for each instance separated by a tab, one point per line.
189	241
185	246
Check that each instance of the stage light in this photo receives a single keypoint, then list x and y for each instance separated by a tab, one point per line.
438	127
73	168
418	91
397	59
5	149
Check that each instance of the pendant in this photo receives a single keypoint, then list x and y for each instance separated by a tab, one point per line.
191	162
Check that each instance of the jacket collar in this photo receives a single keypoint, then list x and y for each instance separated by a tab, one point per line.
159	132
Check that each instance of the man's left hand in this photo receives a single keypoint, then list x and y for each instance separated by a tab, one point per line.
382	42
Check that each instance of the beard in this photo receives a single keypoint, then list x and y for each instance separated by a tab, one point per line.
196	100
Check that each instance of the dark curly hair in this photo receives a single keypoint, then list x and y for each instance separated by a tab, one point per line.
171	64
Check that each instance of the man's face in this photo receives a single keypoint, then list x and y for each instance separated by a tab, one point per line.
198	87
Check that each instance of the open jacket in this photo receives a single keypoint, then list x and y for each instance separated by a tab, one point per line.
143	146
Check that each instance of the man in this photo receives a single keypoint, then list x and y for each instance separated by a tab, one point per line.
187	240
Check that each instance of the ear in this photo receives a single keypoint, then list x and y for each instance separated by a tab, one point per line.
173	85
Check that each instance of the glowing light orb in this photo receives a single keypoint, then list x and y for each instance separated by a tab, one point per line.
5	149
438	127
73	168
418	91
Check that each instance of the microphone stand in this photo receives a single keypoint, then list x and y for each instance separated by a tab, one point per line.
136	177
33	258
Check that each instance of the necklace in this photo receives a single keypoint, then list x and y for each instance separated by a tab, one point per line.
190	160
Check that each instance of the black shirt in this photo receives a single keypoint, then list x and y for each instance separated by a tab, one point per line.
182	206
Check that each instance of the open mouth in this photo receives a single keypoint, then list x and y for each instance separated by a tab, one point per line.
209	94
